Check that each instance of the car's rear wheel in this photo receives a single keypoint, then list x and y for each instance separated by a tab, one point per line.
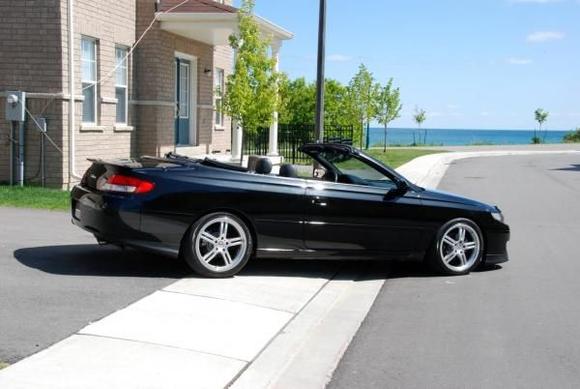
458	248
218	245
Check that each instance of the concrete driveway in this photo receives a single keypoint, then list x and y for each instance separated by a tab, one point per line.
513	326
55	280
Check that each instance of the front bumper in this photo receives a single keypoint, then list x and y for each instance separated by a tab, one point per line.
496	251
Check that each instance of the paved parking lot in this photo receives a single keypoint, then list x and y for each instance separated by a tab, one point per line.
55	280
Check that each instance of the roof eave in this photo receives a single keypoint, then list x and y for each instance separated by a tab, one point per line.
231	19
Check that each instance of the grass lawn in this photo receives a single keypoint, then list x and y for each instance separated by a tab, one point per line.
34	197
395	157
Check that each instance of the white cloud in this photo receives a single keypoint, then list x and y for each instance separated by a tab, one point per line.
519	61
545	36
339	58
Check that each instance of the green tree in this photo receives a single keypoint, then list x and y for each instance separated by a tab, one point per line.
364	92
339	108
389	107
541	116
420	116
251	96
573	136
297	101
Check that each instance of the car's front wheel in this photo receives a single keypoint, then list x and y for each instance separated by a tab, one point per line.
218	245
458	248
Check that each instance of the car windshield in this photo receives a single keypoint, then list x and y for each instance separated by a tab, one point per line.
351	169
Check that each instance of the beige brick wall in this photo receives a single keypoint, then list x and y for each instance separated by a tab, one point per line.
112	23
36	61
154	61
222	137
30	60
223	59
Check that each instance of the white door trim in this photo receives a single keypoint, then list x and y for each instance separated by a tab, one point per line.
193	82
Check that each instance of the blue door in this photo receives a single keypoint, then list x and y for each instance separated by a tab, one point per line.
182	101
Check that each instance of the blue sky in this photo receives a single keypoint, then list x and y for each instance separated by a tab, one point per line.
469	63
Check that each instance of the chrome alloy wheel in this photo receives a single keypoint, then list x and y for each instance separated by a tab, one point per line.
460	247
220	244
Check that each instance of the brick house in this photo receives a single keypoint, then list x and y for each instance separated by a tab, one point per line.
147	77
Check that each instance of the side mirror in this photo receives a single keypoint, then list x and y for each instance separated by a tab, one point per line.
401	188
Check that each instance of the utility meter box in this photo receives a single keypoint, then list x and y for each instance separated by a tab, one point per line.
15	106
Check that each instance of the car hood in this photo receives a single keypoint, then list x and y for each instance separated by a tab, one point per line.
440	196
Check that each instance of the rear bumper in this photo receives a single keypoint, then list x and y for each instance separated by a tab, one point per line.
497	247
108	217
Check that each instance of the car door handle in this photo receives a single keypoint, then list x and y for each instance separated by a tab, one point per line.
320	202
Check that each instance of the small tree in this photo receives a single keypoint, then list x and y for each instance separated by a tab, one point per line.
388	107
541	117
251	96
364	92
573	136
297	101
420	116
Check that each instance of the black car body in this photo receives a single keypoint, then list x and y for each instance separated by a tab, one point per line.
335	215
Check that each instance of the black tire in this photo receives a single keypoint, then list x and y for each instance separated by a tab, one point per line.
442	248
194	246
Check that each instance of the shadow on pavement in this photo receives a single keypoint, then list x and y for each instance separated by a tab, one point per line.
94	260
109	261
419	270
571	168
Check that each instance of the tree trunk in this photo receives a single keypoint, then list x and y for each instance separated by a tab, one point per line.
385	141
362	130
544	136
368	135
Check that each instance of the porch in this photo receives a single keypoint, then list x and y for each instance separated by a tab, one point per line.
181	67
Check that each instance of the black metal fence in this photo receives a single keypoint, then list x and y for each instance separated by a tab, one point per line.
291	137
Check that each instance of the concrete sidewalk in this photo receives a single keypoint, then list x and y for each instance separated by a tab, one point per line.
284	330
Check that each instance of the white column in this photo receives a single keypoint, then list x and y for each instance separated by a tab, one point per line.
273	141
237	134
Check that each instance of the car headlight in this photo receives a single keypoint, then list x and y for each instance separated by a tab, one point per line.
497	215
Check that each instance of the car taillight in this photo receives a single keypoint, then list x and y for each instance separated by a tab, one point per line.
125	184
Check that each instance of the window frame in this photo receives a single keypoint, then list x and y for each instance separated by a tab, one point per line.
124	65
94	82
219	88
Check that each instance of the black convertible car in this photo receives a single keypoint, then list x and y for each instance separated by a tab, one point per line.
342	204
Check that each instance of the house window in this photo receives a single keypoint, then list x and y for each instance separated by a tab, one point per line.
121	84
219	85
89	78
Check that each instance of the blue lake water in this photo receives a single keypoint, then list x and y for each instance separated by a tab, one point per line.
404	136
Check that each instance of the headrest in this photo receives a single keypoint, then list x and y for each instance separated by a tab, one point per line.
288	170
263	166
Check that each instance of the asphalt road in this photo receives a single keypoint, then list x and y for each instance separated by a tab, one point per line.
516	326
54	280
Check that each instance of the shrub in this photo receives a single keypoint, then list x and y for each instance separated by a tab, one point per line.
572	136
